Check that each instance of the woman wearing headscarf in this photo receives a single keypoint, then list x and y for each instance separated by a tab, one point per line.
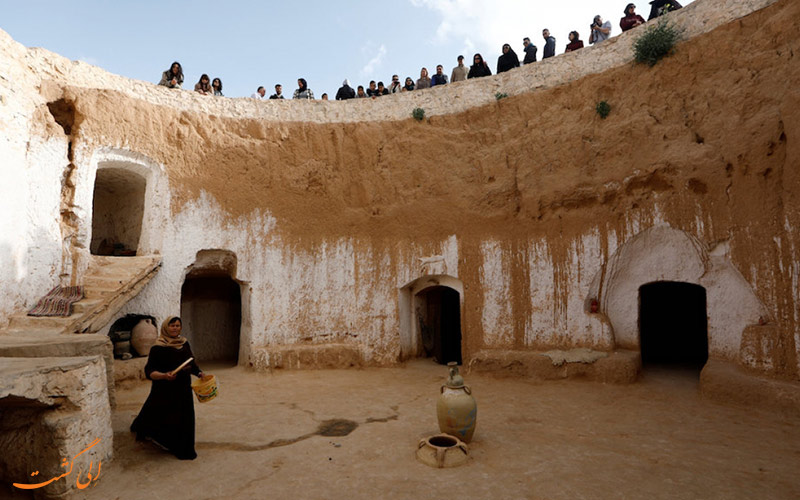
303	92
409	85
575	42
479	67
167	417
508	60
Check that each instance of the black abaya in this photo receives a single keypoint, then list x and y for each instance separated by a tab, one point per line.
167	416
507	61
655	10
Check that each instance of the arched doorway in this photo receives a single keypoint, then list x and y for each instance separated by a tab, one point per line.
117	211
673	324
211	306
211	311
438	311
430	318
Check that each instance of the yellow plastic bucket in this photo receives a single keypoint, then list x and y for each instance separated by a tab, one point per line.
205	388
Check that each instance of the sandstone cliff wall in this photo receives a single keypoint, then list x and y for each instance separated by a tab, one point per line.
532	203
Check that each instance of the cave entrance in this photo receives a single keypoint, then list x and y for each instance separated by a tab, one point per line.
117	212
211	312
673	325
438	313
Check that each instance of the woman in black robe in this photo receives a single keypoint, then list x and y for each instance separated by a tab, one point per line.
479	67
661	7
167	417
508	60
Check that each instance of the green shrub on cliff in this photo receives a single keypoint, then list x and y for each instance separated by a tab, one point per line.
603	109
418	114
656	42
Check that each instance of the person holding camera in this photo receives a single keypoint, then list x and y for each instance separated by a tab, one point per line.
600	30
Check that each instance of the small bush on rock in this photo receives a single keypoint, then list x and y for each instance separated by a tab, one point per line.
656	42
418	114
500	95
603	109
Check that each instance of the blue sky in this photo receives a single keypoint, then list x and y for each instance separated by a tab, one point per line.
249	43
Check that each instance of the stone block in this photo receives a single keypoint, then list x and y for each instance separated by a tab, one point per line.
618	367
53	409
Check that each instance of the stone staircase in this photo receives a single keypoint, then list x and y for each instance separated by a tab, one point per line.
109	283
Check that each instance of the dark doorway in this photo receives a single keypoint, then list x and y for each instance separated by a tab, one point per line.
211	310
673	326
117	212
439	316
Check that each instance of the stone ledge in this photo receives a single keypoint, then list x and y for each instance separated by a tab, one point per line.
727	383
24	378
306	356
60	346
618	367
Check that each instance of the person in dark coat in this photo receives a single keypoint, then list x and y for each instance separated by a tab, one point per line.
382	90
530	51
631	19
661	7
508	60
167	417
345	91
439	78
575	42
479	67
549	44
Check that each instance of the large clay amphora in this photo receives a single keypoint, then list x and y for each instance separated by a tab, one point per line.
456	408
143	336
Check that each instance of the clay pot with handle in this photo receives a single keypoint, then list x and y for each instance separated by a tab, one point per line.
456	409
143	336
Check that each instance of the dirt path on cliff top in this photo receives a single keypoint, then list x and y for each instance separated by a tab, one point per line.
569	439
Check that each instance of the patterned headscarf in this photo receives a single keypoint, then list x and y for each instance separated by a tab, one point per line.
167	341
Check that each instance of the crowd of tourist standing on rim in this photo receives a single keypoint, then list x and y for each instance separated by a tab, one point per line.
599	31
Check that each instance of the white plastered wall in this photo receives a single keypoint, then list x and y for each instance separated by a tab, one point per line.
662	253
559	314
201	225
33	157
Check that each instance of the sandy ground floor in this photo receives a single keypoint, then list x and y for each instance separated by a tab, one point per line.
556	440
